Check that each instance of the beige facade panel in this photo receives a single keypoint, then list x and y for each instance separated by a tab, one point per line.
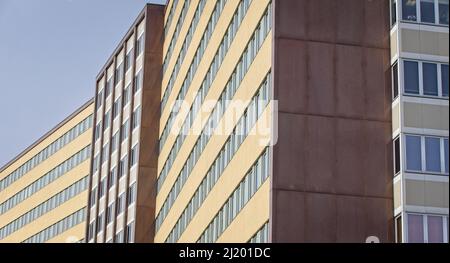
426	116
426	193
397	194
424	42
394	43
396	118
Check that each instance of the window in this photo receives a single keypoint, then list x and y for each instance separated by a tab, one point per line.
429	150
397	160
98	129
398	230
393	12
118	74
100	223
433	154
446	156
124	132
108	87
444	79
99	99
116	109
114	141
129	233
102	188
129	60
107	119
109	213
413	153
126	95
119	237
135	118
430	85
132	194
411	77
123	166
427	228
134	155
443	12
395	80
415	229
140	45
120	203
138	81
434	83
112	177
427	11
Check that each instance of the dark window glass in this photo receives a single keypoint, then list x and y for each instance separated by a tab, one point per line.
433	154
397	156
411	77
399	229
413	153
129	60
409	11
446	154
430	84
444	73
393	12
443	12
395	80
415	229
427	11
435	229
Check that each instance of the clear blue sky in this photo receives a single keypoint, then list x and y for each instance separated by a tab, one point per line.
50	54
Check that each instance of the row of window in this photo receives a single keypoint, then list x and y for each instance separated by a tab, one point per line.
119	72
48	151
176	34
197	57
45	207
188	38
422	78
426	154
424	228
207	81
236	138
237	200
421	11
262	236
108	117
238	75
58	228
119	206
46	179
173	7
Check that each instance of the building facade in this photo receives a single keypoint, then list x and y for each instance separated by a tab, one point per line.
420	115
43	191
124	147
251	121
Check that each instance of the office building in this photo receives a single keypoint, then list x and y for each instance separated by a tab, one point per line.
43	191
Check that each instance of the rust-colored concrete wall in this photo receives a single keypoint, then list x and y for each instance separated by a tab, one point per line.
332	168
148	151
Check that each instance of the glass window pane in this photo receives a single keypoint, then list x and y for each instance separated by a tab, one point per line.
427	11
409	11
446	154
430	84
411	77
396	156
444	72
435	229
413	153
415	229
433	154
443	12
393	12
395	80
